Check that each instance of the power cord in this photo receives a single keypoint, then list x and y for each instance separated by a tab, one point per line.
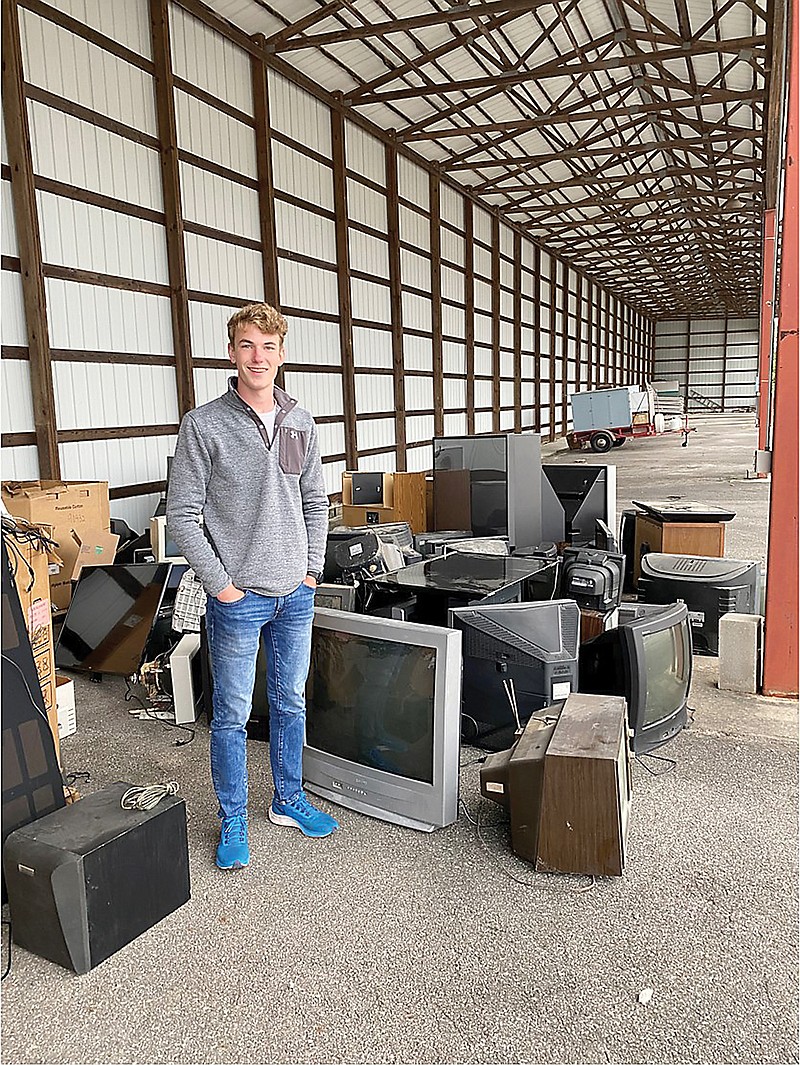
147	796
150	714
7	969
671	763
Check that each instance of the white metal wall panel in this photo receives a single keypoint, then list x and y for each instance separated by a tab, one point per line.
17	401
63	63
419	393
483	329
364	153
375	432
455	424
370	302
85	237
301	176
455	393
417	353
483	296
506	421
482	263
92	318
368	254
332	472
483	361
20	464
304	232
365	205
452	284
482	225
99	395
8	227
128	23
483	422
454	358
419	459
222	268
14	328
452	247
210	384
205	58
208	329
76	152
415	229
528	394
297	114
310	340
507	365
386	462
453	321
415	270
321	393
419	428
507	340
133	460
308	287
413	183
506	247
451	206
374	393
416	312
372	347
136	510
331	438
214	201
483	393
211	134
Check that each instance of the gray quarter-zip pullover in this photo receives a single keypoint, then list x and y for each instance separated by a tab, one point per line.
264	507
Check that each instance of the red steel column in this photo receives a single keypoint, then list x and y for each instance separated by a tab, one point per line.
781	630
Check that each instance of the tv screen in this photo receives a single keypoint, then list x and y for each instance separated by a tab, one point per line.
382	725
533	646
647	660
110	617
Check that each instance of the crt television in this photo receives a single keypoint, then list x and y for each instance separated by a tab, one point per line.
533	645
647	660
382	723
710	587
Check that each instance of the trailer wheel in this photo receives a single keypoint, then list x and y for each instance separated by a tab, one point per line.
602	442
619	441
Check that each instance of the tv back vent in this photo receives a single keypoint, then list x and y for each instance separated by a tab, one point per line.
485	635
695	566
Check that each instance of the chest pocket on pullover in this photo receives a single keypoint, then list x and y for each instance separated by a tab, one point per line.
291	450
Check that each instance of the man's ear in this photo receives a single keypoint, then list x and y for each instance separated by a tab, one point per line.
231	355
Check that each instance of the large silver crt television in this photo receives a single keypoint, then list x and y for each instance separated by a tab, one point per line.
383	724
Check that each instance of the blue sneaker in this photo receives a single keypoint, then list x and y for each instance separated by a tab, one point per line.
299	813
233	851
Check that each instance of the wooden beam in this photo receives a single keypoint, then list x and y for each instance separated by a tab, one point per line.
469	310
266	185
345	298
398	367
436	302
170	181
537	344
517	315
26	220
273	42
495	322
552	331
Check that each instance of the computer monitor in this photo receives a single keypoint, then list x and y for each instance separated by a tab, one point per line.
648	661
164	547
710	587
532	646
335	597
111	616
580	494
382	724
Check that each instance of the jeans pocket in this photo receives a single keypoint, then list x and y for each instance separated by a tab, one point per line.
234	602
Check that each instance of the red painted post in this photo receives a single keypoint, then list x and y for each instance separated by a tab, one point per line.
765	336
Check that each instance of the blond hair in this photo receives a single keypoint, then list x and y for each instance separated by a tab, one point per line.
262	316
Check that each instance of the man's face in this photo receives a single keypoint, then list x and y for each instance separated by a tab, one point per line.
256	356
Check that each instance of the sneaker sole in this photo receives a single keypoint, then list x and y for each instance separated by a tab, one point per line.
231	868
289	822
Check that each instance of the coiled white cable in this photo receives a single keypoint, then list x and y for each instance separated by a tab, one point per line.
145	798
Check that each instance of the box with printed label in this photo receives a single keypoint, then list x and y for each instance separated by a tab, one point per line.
70	507
65	706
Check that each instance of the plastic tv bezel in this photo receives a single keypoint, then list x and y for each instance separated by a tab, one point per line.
376	792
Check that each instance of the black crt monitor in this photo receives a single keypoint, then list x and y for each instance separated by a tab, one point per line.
533	646
648	661
110	618
383	713
335	597
592	578
710	587
459	578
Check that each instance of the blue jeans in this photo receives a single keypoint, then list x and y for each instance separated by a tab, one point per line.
234	630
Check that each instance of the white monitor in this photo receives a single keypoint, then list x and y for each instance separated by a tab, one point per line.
187	685
383	722
164	548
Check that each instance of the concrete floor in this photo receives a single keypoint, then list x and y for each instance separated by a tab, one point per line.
381	944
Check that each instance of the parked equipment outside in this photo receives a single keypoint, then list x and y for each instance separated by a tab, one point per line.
607	417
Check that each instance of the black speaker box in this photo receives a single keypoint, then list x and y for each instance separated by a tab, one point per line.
85	881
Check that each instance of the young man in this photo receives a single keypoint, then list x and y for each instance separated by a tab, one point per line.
248	509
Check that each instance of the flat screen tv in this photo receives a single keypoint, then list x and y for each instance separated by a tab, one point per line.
710	587
532	645
647	660
110	618
383	713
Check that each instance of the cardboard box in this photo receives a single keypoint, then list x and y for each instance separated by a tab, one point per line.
95	548
69	507
65	706
31	563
